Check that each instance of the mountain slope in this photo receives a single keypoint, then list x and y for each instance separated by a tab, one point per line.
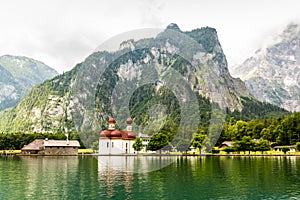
156	74
273	73
18	75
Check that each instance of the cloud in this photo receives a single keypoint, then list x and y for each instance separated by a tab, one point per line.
62	33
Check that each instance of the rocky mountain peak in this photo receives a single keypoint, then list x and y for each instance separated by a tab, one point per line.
173	27
272	73
194	58
291	31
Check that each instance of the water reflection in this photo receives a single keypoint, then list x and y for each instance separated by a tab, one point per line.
116	173
47	173
133	164
87	177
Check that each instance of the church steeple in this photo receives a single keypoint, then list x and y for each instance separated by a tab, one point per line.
129	127
111	123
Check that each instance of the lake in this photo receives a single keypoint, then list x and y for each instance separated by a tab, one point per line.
146	177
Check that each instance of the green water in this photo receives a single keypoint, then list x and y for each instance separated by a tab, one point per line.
181	178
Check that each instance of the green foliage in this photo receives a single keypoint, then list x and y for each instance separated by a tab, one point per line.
230	149
281	131
215	151
246	144
262	145
298	146
182	144
197	141
95	145
285	149
16	141
158	141
138	144
254	109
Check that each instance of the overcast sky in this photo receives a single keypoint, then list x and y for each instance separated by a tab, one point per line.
62	33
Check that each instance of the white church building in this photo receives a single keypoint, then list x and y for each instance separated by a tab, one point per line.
114	142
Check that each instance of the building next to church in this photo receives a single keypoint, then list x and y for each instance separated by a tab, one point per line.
52	147
113	141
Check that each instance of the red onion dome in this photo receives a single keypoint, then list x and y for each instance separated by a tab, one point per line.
129	121
116	134
131	134
105	134
111	120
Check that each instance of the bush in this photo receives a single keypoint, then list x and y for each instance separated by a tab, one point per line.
229	149
298	146
215	151
285	149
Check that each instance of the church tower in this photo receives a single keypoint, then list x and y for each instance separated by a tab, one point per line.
129	127
111	124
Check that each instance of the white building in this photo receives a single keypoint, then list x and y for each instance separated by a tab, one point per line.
114	142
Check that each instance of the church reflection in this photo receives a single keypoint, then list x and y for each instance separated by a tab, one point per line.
116	173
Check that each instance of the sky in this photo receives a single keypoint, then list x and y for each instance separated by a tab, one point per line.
62	33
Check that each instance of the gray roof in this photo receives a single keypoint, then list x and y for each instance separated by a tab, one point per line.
39	144
280	147
227	143
61	143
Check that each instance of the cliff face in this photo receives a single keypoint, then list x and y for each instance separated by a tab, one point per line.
167	66
273	73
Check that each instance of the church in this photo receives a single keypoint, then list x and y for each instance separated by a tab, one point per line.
114	142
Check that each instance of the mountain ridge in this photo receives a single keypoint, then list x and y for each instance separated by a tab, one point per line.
272	74
18	75
82	98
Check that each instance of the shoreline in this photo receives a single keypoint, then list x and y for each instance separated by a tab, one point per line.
293	154
164	155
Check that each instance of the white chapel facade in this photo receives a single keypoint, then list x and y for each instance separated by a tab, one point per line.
112	141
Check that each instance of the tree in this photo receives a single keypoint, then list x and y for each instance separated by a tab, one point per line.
229	149
246	144
262	145
298	146
158	141
285	149
239	130
95	146
138	144
197	141
183	145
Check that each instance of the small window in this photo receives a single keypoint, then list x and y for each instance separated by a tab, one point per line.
112	145
107	144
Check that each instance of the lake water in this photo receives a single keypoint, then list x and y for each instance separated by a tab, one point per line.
121	178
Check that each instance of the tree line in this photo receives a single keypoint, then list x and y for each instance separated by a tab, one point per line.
12	141
280	131
254	135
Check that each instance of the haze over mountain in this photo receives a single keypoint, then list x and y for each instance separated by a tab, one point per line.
18	75
168	70
273	73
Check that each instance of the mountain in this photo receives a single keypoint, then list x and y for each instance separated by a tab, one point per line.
273	73
176	73
18	75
